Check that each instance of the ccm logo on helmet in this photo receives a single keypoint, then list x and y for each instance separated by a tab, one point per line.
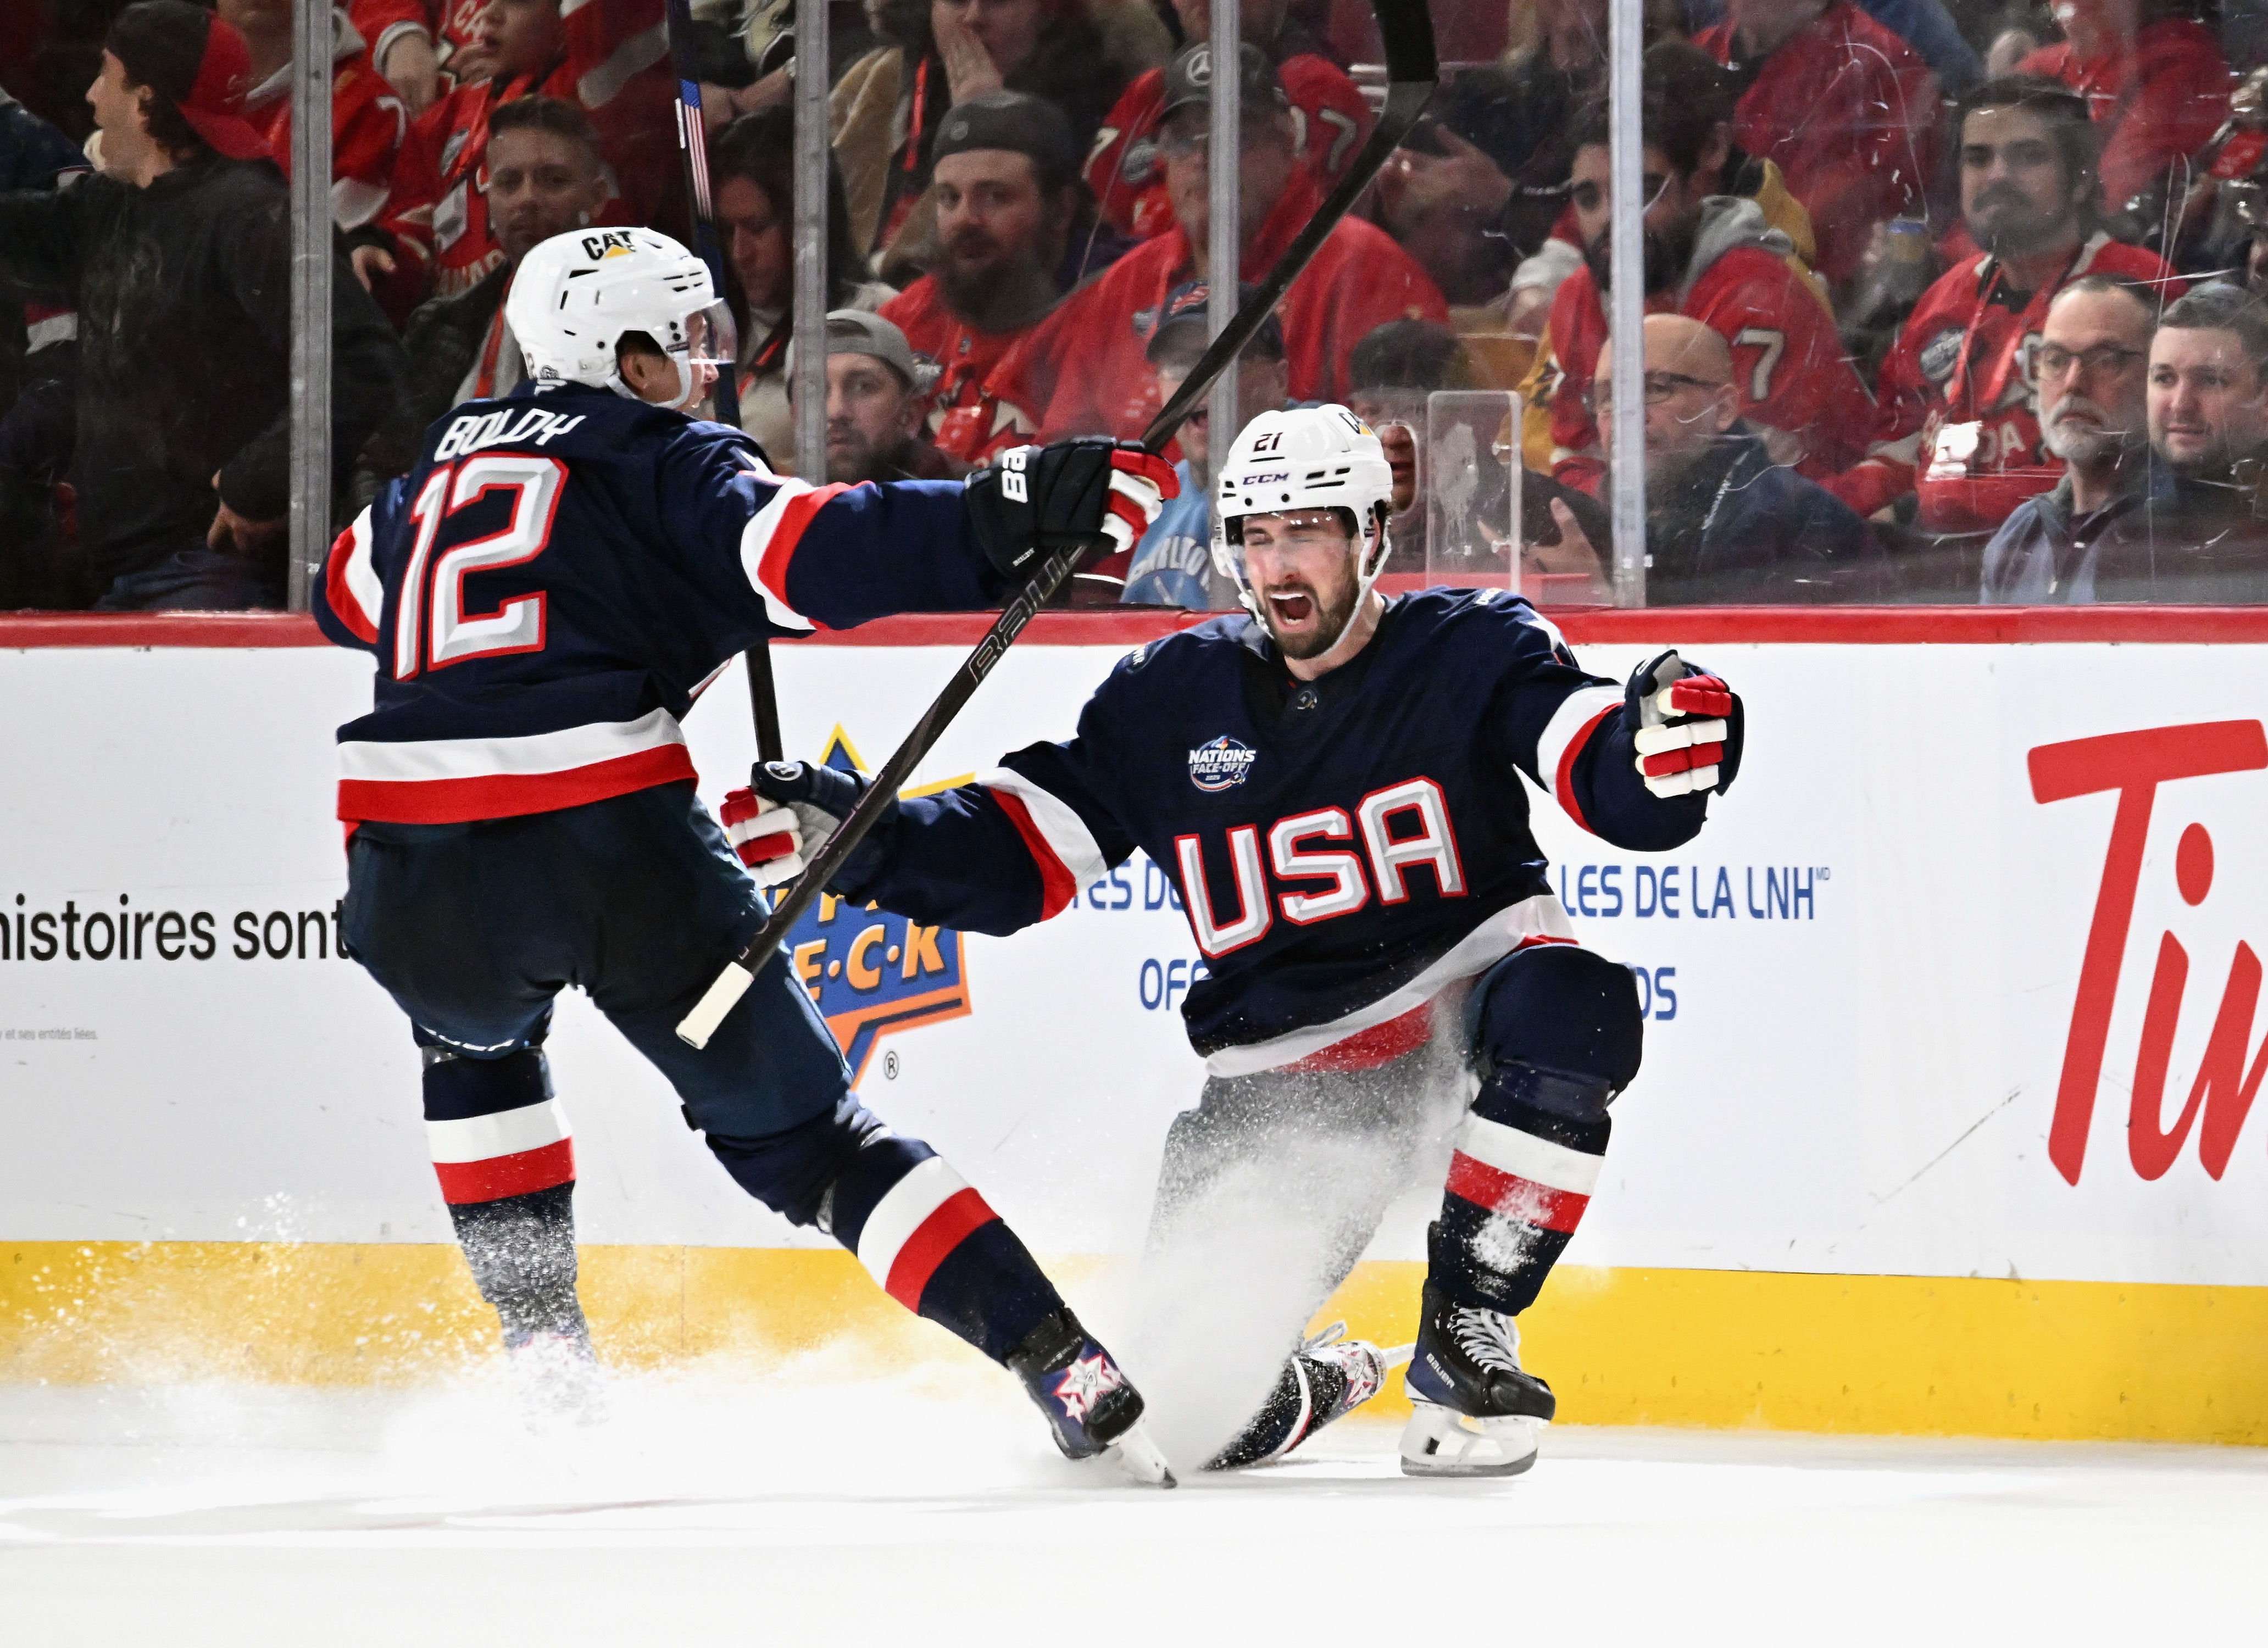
607	241
1403	828
1262	480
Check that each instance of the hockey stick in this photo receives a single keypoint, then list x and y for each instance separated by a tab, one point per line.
1408	32
693	147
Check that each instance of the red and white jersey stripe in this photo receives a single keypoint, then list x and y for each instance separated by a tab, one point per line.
1536	920
513	1152
1522	1177
350	580
767	544
454	781
1060	842
1578	716
919	1220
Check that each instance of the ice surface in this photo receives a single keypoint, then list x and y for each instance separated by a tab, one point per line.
718	1508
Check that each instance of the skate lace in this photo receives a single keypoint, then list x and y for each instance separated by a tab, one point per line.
1491	1338
1329	1336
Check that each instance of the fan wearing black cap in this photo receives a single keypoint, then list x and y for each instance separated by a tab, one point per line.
179	260
1083	369
1008	201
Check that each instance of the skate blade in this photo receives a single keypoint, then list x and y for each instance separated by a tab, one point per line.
1139	1458
1395	1355
1438	1442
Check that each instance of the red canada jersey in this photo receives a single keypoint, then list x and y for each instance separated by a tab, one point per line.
1959	422
1788	360
2155	106
368	125
1329	122
1085	369
451	25
1849	112
616	69
965	421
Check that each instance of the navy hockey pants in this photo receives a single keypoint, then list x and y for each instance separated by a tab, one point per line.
475	928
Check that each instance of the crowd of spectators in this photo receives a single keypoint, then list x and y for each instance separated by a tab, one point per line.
1947	300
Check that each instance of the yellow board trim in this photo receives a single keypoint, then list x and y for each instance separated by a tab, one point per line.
1930	1356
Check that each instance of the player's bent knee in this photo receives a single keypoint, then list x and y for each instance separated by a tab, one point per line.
792	1170
1562	1009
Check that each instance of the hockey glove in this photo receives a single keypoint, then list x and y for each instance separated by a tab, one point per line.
790	808
1686	726
1095	494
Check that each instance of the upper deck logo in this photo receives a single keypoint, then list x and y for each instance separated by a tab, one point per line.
1222	764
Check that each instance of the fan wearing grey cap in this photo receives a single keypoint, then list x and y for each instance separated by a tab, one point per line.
1009	208
1173	564
877	390
178	258
1084	367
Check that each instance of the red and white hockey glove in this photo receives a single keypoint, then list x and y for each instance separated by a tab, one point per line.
1685	724
1091	492
787	813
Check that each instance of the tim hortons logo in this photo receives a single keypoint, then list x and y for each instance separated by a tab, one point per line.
2134	764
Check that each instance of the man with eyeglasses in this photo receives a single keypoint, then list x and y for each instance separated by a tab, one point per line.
1723	521
1959	423
2201	536
1085	369
2091	369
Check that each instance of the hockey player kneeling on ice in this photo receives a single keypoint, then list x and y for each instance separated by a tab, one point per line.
545	594
1332	779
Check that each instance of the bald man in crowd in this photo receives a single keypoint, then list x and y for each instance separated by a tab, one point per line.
1723	522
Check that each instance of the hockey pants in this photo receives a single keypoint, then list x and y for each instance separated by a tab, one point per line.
474	929
1273	1186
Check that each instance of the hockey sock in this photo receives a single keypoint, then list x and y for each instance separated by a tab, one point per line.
935	1247
506	1164
1527	1158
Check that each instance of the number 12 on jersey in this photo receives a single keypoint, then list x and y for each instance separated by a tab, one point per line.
431	627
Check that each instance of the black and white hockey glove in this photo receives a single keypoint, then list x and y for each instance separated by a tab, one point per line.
788	811
1686	726
1093	493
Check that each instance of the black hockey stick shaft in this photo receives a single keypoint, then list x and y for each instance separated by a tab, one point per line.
1408	32
700	207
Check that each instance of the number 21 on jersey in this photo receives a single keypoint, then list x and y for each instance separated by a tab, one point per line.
431	628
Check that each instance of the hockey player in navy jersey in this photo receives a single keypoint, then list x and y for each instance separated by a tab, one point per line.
1333	781
545	593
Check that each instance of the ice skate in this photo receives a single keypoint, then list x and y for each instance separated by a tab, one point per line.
1090	1403
1326	1379
1475	1410
556	1379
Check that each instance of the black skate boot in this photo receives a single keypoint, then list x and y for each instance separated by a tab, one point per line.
1090	1403
1475	1410
1326	1379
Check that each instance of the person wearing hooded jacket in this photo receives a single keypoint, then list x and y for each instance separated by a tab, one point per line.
178	258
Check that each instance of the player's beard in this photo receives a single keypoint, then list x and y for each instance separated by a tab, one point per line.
1333	617
2020	229
990	289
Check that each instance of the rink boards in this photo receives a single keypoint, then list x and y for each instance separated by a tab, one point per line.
1944	1124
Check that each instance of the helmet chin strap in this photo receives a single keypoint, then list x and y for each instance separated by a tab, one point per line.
682	397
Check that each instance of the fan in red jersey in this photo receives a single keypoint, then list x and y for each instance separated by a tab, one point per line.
1006	187
1714	251
608	56
1329	116
1846	108
1959	423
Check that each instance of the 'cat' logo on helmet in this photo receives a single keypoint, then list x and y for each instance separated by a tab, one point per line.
609	243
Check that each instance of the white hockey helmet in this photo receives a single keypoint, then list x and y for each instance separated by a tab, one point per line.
576	296
1304	458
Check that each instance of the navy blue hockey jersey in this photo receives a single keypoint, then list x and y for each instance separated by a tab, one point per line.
1346	847
560	574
